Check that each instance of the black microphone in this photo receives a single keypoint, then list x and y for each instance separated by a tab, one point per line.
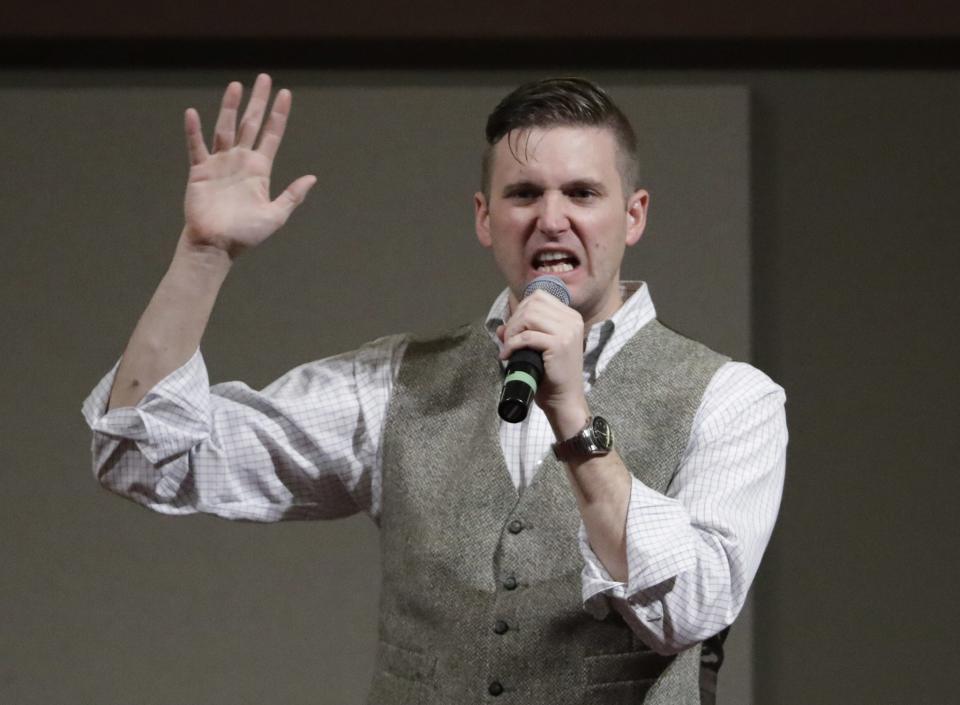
525	369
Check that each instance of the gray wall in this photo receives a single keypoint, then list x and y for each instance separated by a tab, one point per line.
855	258
104	602
854	254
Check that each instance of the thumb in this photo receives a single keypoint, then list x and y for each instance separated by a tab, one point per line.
293	196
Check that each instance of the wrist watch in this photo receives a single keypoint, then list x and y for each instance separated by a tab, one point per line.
593	440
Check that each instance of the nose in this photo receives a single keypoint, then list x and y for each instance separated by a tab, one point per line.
552	218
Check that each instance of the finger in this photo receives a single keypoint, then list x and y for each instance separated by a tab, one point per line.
253	115
196	149
224	132
532	339
541	315
276	124
287	201
542	298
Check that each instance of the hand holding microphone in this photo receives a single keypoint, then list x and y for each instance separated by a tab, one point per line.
526	368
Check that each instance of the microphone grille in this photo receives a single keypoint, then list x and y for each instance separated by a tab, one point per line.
552	285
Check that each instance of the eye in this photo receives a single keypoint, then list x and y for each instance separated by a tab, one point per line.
582	194
523	194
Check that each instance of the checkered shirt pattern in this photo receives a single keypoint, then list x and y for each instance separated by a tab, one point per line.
307	446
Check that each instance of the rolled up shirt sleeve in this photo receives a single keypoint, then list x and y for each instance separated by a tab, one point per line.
306	446
692	553
170	419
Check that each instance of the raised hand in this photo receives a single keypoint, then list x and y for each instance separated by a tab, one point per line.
227	203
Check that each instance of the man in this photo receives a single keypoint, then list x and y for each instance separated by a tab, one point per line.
589	573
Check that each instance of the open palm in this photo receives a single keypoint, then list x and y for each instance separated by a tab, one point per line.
227	203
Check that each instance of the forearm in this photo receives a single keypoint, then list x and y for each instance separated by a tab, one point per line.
677	598
688	607
305	446
684	582
601	486
692	553
171	327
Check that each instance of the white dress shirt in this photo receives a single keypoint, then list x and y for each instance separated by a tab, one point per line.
308	446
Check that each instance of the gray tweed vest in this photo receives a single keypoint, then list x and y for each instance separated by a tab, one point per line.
481	596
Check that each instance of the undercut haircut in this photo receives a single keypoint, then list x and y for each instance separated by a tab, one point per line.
561	102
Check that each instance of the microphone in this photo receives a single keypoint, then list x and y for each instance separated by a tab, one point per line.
525	369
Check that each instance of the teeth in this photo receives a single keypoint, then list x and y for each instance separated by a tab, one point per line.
555	268
555	262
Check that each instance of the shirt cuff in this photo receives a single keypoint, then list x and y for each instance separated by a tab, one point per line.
660	546
170	419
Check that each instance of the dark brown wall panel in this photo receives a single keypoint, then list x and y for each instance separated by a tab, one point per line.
534	19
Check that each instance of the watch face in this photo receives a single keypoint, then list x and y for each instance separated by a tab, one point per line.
602	433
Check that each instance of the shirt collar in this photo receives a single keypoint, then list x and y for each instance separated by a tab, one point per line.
605	338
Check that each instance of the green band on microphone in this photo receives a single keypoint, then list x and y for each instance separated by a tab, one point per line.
522	377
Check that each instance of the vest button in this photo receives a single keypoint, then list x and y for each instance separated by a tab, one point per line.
510	583
495	688
501	627
515	526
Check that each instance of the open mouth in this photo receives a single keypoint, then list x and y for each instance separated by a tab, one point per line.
554	262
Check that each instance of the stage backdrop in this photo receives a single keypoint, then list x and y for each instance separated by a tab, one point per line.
104	602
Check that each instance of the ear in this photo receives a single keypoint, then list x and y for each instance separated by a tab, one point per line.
481	212
637	206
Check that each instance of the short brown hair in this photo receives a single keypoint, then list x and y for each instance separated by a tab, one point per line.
555	102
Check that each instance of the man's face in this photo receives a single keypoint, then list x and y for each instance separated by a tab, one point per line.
558	208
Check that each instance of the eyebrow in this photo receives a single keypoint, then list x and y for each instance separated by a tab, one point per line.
568	186
521	186
585	183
